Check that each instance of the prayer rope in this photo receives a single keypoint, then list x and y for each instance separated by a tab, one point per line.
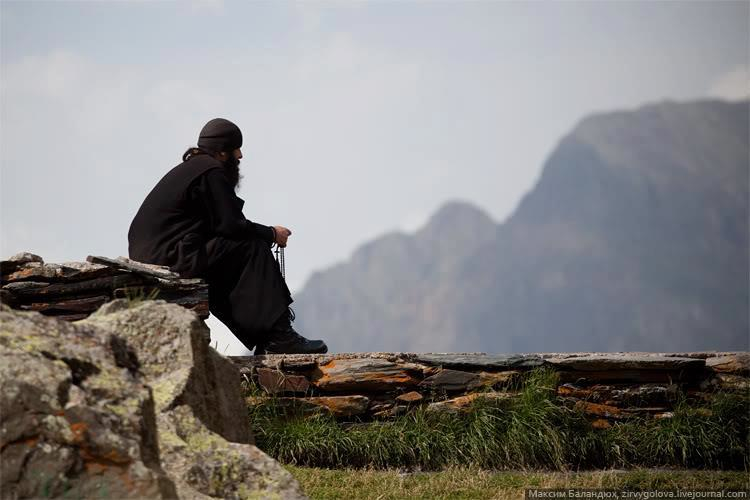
280	261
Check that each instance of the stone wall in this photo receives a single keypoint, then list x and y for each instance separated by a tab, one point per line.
71	291
605	386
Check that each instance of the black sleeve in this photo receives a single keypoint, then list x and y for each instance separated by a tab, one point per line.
215	195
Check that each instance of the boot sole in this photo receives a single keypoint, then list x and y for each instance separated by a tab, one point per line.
323	350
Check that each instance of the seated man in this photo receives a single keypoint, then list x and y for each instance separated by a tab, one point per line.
192	221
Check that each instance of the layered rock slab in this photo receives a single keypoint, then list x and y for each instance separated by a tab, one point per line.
277	382
733	364
480	360
626	362
73	290
338	406
365	374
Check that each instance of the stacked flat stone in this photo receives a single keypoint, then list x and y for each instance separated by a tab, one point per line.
606	386
73	290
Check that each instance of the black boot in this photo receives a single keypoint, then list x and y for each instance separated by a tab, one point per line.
283	339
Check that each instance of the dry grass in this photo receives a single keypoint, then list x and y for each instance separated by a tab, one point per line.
458	483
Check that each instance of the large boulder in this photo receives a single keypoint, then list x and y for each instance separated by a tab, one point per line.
77	418
199	431
176	361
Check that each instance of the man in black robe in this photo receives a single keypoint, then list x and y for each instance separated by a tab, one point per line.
192	221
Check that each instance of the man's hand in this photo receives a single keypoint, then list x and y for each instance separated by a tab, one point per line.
282	234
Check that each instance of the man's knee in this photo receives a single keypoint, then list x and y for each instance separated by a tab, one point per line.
232	256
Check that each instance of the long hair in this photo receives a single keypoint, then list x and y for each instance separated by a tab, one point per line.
193	152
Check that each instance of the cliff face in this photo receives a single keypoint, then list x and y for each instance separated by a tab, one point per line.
634	238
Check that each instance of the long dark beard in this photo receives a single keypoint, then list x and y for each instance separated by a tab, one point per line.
232	171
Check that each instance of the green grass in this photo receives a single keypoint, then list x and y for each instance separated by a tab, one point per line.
533	431
473	483
137	295
692	438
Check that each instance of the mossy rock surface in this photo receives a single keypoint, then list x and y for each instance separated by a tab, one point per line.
75	421
129	403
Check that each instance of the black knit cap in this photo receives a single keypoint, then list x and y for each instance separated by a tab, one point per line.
220	135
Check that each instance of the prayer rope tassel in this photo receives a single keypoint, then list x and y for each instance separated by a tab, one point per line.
280	261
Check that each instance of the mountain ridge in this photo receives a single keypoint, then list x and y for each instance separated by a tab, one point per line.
635	230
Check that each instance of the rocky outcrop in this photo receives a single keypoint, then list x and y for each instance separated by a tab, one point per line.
73	290
604	386
76	418
129	403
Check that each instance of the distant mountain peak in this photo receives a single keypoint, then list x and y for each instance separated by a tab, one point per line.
457	212
666	133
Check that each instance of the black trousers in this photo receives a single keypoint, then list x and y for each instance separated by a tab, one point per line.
246	291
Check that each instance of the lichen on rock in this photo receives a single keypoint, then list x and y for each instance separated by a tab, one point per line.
129	403
73	422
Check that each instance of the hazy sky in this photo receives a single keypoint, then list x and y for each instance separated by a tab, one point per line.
358	117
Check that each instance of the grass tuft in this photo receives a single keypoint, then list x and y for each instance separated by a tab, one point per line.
136	295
